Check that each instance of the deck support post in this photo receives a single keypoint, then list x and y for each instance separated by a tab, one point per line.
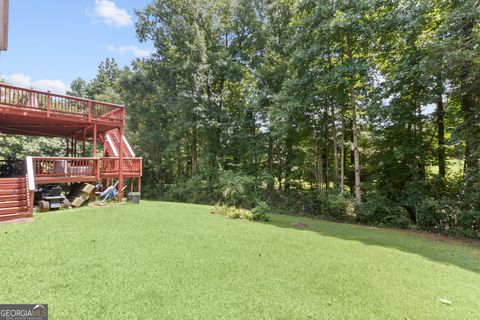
94	140
139	187
120	165
84	137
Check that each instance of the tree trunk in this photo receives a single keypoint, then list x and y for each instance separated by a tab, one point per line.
468	108
355	151
194	150
318	166
441	132
280	169
270	186
335	151
288	164
342	156
325	159
468	87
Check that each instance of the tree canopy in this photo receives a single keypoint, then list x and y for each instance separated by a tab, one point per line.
311	106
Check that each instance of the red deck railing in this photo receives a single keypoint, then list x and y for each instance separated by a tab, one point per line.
58	167
64	167
130	166
52	103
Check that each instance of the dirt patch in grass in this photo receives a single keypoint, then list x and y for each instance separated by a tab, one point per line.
299	225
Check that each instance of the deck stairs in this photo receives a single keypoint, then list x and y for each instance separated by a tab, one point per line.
112	144
14	199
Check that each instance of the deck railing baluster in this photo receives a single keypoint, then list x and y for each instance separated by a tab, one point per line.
12	96
69	168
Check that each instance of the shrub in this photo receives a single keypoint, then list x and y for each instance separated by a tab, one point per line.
470	223
337	206
193	190
260	211
239	213
437	215
334	205
236	189
266	181
379	210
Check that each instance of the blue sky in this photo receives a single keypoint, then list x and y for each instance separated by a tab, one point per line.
51	42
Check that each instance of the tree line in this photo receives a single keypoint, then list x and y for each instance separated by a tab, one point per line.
362	110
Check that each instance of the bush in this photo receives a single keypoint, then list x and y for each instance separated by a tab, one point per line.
334	205
338	206
260	212
470	223
379	210
237	190
437	215
193	190
446	216
239	213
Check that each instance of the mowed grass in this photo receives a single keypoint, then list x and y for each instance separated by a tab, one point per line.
163	260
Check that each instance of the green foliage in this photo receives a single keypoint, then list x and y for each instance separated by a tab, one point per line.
438	215
381	211
327	204
337	206
259	213
18	147
446	216
237	190
193	190
470	224
252	100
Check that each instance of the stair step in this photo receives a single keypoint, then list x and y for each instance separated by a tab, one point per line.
4	211
11	180
13	204
4	185
15	216
12	191
15	197
11	186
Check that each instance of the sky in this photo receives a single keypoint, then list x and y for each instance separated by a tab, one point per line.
51	42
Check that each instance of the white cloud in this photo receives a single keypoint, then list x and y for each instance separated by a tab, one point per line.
22	80
137	52
108	11
18	79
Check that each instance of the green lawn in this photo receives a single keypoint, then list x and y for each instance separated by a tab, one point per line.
163	260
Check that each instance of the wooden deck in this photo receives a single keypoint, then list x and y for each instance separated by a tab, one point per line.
64	170
33	112
38	113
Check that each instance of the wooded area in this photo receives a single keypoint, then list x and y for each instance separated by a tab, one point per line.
358	110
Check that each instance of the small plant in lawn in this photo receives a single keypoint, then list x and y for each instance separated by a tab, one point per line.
260	211
239	213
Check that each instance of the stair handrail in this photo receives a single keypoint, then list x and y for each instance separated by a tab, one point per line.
112	145
30	173
129	148
30	181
